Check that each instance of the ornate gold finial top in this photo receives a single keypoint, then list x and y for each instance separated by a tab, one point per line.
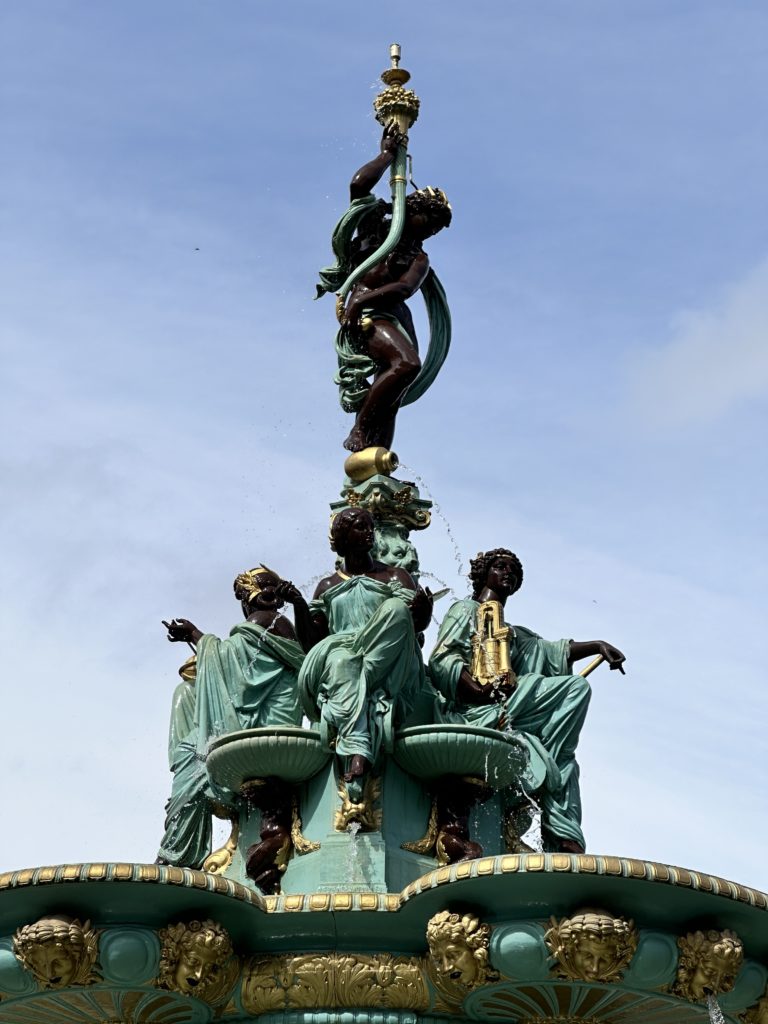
395	75
396	104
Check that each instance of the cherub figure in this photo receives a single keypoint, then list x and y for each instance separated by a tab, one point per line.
592	945
59	951
377	337
458	954
197	959
708	965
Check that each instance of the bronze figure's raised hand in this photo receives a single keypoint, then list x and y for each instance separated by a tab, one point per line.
182	631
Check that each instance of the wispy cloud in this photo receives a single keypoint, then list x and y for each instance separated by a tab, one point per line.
716	359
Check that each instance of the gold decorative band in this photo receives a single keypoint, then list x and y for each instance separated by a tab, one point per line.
515	863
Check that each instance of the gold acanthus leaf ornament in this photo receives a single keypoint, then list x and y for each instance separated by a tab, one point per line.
197	959
708	965
592	945
59	951
334	980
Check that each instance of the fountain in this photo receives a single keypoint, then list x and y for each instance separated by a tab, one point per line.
406	836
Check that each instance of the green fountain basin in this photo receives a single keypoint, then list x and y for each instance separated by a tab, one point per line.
292	754
432	751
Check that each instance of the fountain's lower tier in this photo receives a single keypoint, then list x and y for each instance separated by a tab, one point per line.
502	938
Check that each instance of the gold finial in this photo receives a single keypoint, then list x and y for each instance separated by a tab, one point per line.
396	103
395	75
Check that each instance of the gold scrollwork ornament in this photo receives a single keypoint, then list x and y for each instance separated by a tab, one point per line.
366	812
334	980
591	946
58	951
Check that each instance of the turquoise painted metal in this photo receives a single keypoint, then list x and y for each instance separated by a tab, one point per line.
516	894
372	924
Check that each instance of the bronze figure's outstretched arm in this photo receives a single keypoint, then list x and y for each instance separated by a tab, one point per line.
370	174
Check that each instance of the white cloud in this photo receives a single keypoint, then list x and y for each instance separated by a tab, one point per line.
716	359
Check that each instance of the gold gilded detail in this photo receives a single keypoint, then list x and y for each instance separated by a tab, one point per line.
334	980
217	862
301	844
196	958
591	946
58	951
709	962
400	506
249	584
458	957
361	466
490	646
757	1014
430	842
394	103
365	812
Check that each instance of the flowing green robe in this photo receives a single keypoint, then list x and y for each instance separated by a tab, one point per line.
243	682
548	707
368	672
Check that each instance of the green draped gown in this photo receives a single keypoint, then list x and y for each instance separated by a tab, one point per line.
243	682
548	707
367	673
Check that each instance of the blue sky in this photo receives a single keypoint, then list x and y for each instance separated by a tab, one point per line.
171	176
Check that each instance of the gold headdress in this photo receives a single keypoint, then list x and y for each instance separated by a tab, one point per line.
247	586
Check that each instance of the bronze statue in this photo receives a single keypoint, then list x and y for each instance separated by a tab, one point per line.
247	680
377	323
363	662
536	694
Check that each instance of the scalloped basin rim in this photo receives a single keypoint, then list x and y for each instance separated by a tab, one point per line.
432	751
268	730
457	730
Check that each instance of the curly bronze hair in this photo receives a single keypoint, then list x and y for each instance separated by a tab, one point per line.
480	566
431	203
340	525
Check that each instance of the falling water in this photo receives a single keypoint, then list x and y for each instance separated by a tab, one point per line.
442	584
715	1013
354	867
419	481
